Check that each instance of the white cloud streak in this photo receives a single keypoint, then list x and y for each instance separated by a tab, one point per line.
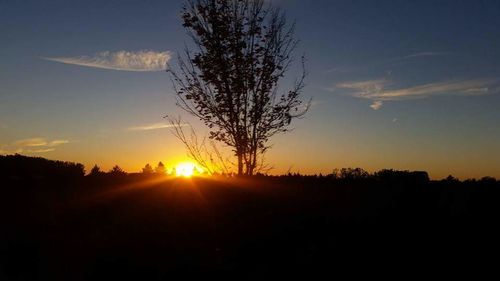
380	90
376	105
31	142
368	87
57	142
417	55
466	87
424	54
121	60
40	150
32	145
155	126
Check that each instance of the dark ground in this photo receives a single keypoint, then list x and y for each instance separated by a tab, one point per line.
105	227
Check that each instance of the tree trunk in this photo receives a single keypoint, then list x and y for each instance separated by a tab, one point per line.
240	164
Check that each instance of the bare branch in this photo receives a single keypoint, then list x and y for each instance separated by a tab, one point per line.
208	156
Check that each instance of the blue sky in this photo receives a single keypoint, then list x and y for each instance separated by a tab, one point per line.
395	84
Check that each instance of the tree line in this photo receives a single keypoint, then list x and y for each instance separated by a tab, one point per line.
160	169
36	168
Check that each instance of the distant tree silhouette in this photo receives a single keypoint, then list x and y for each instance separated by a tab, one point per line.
389	175
353	173
117	171
95	171
20	166
451	179
230	82
487	179
147	169
160	169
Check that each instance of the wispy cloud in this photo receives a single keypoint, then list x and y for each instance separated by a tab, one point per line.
376	105
40	150
381	90
57	142
368	87
149	127
31	142
416	55
32	145
424	54
466	87
121	60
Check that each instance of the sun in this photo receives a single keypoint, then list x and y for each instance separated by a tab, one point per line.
187	169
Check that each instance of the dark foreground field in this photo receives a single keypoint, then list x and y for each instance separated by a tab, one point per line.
141	227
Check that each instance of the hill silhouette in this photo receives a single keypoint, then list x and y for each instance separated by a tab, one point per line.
58	224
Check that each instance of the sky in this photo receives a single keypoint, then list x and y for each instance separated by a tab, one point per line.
407	85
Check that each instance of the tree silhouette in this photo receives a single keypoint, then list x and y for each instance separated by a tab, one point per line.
230	82
147	169
117	171
160	169
95	171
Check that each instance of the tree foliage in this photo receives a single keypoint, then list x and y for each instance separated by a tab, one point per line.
95	171
147	169
160	168
230	80
117	171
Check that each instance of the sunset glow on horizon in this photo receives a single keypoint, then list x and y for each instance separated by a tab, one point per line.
187	169
389	89
147	140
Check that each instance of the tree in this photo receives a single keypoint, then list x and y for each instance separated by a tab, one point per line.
230	82
160	169
147	169
95	171
117	171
